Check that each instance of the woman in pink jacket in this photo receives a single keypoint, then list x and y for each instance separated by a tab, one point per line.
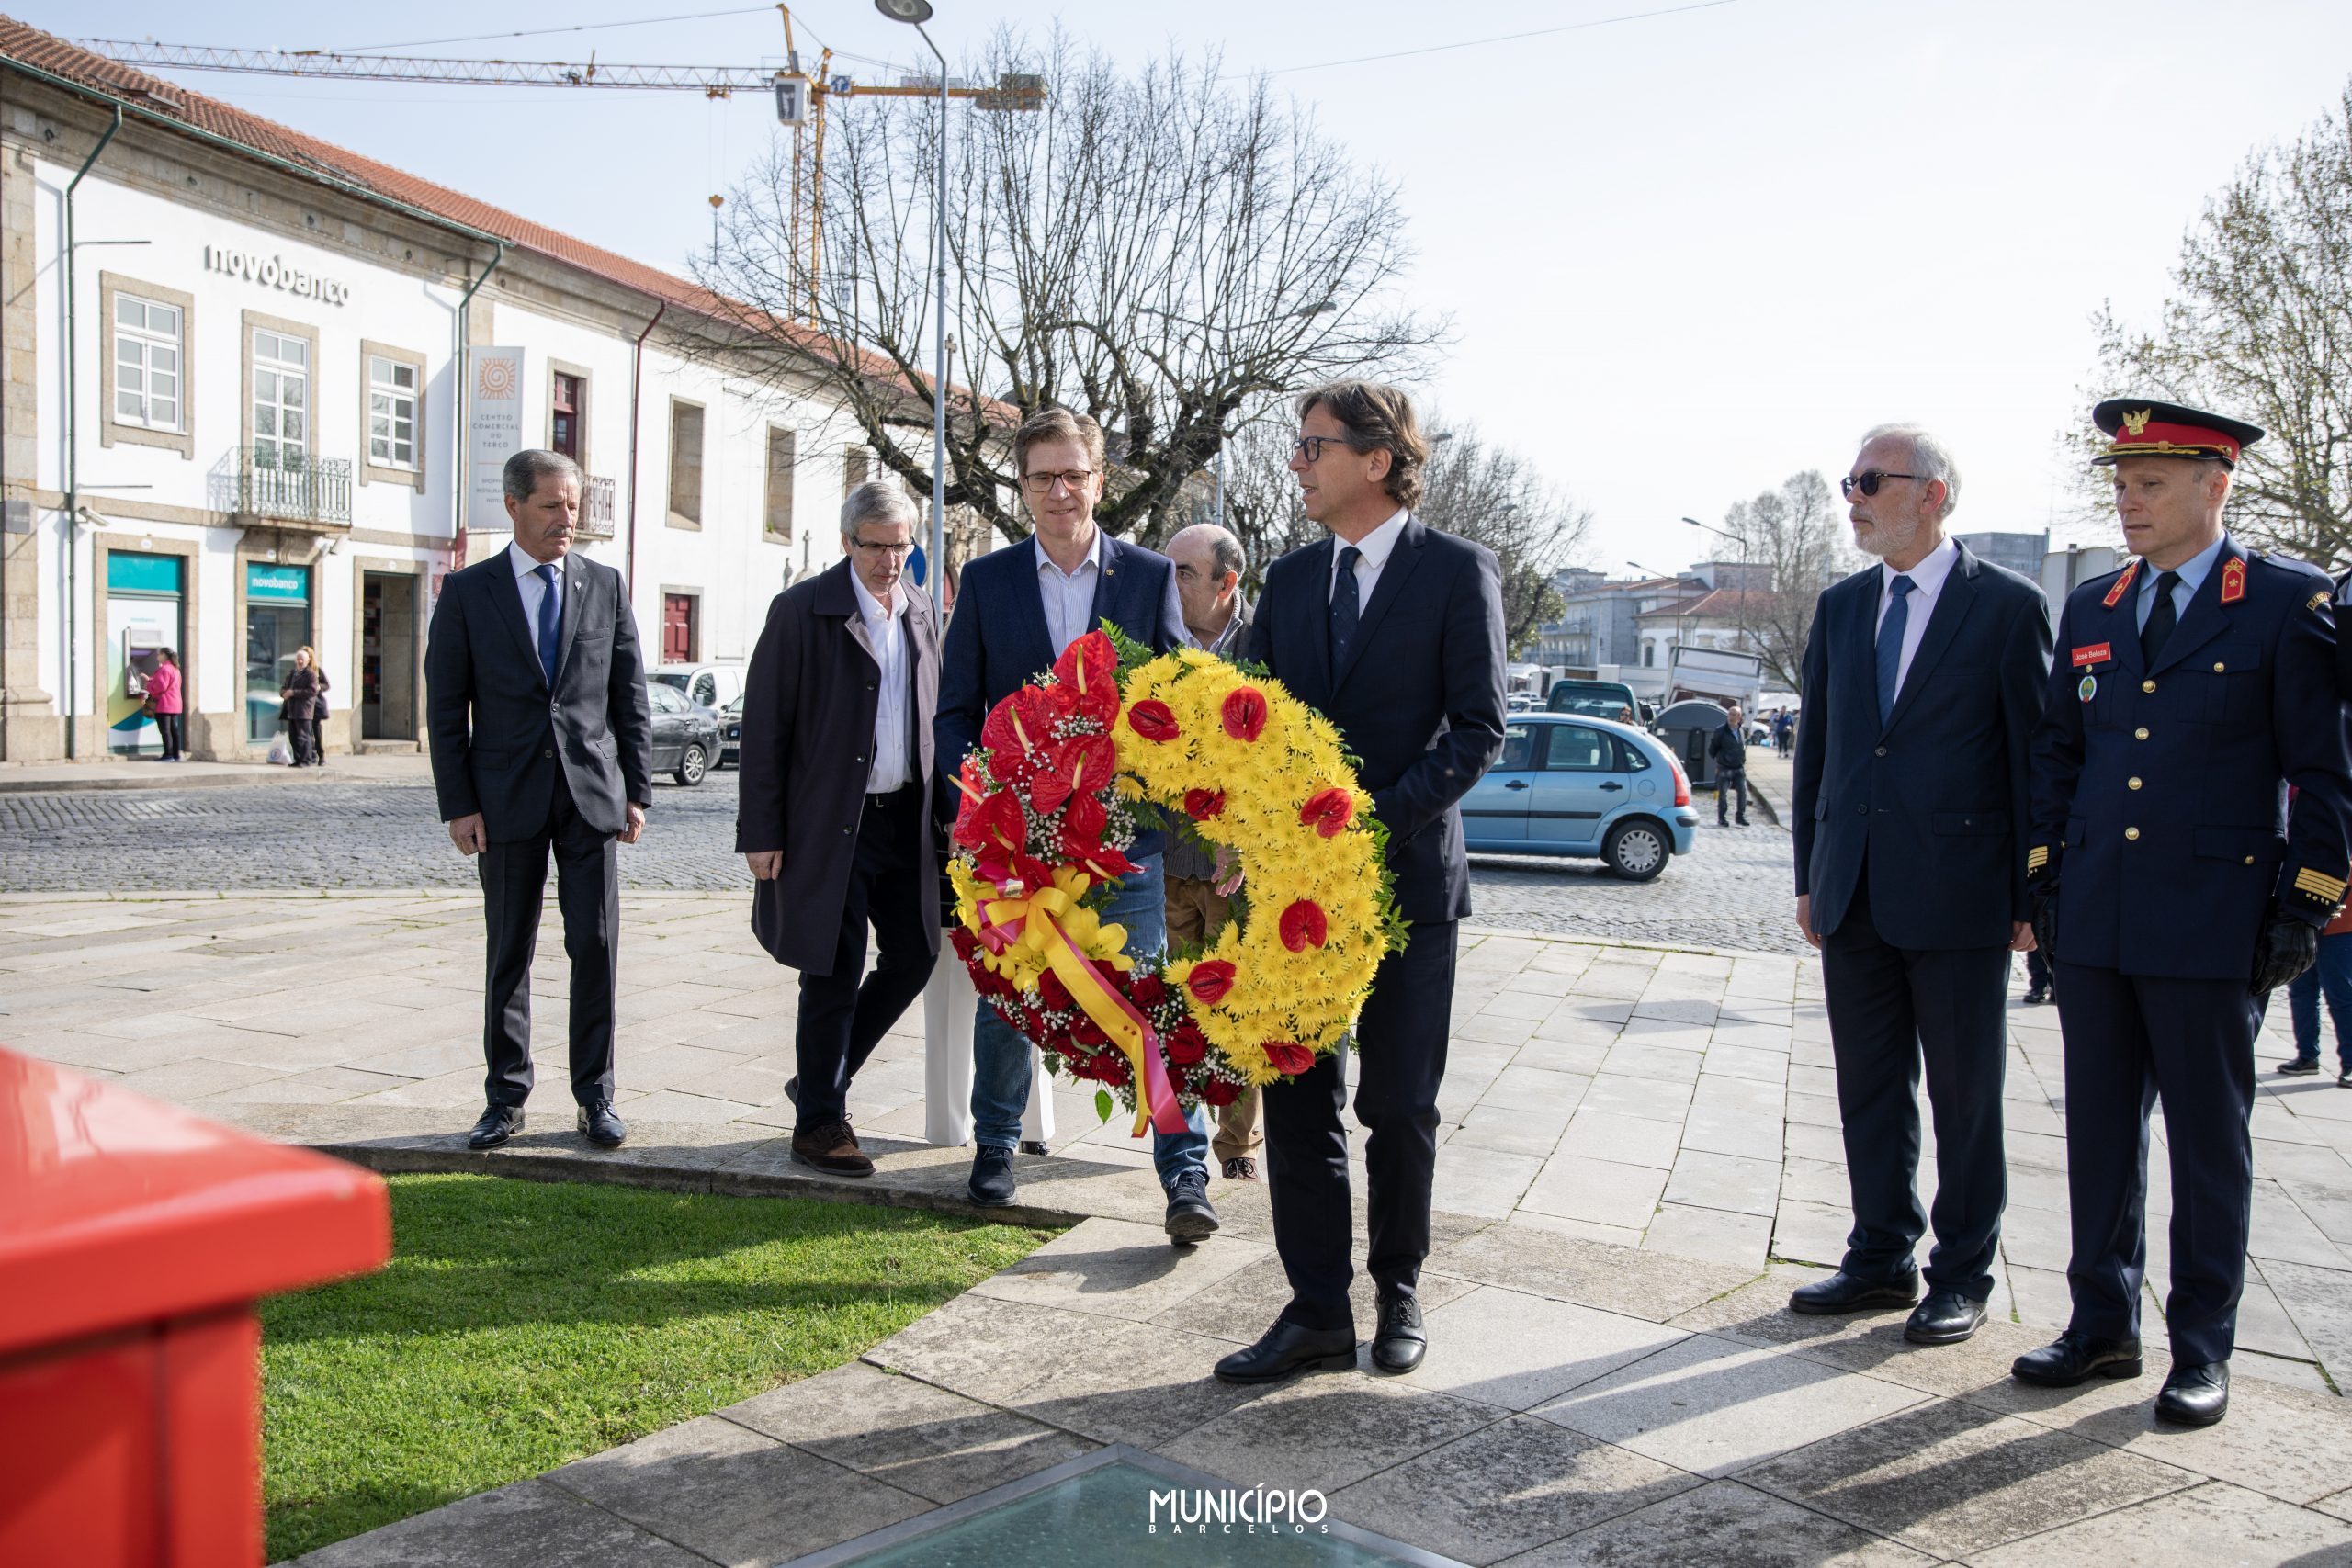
164	699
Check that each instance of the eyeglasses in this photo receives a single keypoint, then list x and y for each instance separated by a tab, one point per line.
876	550
1311	447
1073	479
1867	481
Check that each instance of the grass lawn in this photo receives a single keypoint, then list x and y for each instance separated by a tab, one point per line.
524	1324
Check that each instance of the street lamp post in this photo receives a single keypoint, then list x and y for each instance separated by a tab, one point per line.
1680	607
915	12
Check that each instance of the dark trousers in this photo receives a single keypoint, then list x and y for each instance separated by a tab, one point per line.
171	729
2332	976
1400	1060
587	892
302	738
841	1020
2037	968
1892	1011
2132	1040
1726	781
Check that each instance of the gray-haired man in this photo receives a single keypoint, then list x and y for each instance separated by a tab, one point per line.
834	818
1209	564
542	744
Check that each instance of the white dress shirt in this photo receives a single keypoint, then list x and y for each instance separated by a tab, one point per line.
1373	550
886	632
1070	595
526	578
1926	583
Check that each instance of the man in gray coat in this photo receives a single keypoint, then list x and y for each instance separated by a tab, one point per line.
834	812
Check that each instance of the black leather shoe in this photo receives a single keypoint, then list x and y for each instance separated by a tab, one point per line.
1400	1342
1191	1219
2301	1066
792	1088
1843	1292
1287	1349
601	1125
2195	1396
992	1185
498	1124
2036	996
1946	1318
2077	1358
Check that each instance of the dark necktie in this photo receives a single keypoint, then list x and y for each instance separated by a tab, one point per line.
1890	646
1343	606
2161	620
549	612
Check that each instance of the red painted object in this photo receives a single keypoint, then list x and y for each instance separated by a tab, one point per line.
134	1240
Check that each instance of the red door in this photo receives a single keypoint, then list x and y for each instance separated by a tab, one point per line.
677	628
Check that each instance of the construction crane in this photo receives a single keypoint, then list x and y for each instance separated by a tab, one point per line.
800	98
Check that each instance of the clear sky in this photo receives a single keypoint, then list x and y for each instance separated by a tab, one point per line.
1685	255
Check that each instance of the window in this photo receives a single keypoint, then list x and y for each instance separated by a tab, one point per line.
677	628
569	400
147	380
665	700
1576	750
783	445
1519	749
391	413
853	469
706	690
685	465
281	401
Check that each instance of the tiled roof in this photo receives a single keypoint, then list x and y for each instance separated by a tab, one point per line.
1718	601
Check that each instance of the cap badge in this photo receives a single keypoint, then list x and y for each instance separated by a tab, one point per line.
2136	423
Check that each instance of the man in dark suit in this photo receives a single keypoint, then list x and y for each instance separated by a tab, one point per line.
1395	632
1016	610
542	741
1923	680
2194	687
834	818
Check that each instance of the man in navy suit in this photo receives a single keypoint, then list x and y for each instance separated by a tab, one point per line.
542	743
2193	688
1016	610
1924	677
1395	632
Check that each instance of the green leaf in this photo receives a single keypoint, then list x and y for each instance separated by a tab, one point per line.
1133	655
1102	1104
1053	1063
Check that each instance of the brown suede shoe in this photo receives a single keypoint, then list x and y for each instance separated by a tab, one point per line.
832	1148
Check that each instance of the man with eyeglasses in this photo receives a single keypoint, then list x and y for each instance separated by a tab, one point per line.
1923	678
1393	631
834	816
1016	610
2174	886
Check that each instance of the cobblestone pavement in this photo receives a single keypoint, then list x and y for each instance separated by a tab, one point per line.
1731	892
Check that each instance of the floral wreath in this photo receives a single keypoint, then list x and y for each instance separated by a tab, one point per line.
1050	799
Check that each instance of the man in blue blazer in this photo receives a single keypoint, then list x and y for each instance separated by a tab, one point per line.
1924	677
542	744
1395	632
1016	610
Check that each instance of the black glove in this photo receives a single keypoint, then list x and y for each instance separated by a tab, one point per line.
2286	948
2045	917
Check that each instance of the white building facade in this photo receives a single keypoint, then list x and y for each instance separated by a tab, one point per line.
259	402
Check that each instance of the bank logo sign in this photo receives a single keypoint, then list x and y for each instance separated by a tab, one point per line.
274	272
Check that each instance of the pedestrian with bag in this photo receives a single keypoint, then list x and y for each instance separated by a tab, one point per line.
165	703
299	702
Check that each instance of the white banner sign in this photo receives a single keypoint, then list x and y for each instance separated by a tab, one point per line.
493	432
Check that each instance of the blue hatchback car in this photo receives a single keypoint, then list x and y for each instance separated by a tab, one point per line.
1570	786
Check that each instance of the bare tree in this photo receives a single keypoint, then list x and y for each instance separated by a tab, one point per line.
1495	496
1156	250
2260	326
1796	540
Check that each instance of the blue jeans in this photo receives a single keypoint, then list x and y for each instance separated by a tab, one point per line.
1001	1056
2332	976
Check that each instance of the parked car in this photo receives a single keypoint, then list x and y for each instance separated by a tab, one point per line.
731	734
685	736
1592	699
1571	785
704	685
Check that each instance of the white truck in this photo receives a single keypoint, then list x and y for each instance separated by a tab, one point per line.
1715	672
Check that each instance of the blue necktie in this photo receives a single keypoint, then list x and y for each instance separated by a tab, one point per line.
549	612
1343	606
1890	646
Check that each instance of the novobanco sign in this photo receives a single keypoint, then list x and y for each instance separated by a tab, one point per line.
274	272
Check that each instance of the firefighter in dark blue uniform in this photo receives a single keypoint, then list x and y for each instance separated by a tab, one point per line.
2174	889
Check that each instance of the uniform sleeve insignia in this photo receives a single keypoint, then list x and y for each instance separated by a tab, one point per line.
2319	885
2233	580
2123	585
2318	599
2135	423
2036	858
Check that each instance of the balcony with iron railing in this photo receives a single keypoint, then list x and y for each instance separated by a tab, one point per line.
596	507
276	486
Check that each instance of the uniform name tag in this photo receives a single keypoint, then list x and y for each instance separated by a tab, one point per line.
2097	653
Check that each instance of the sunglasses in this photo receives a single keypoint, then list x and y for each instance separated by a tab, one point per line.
1867	481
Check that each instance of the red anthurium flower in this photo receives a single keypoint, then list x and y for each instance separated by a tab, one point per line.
1304	923
996	822
1201	805
1088	671
1289	1058
1087	761
1047	791
1084	819
1187	1045
1210	980
972	787
1154	720
1019	725
1328	811
1244	714
1099	860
